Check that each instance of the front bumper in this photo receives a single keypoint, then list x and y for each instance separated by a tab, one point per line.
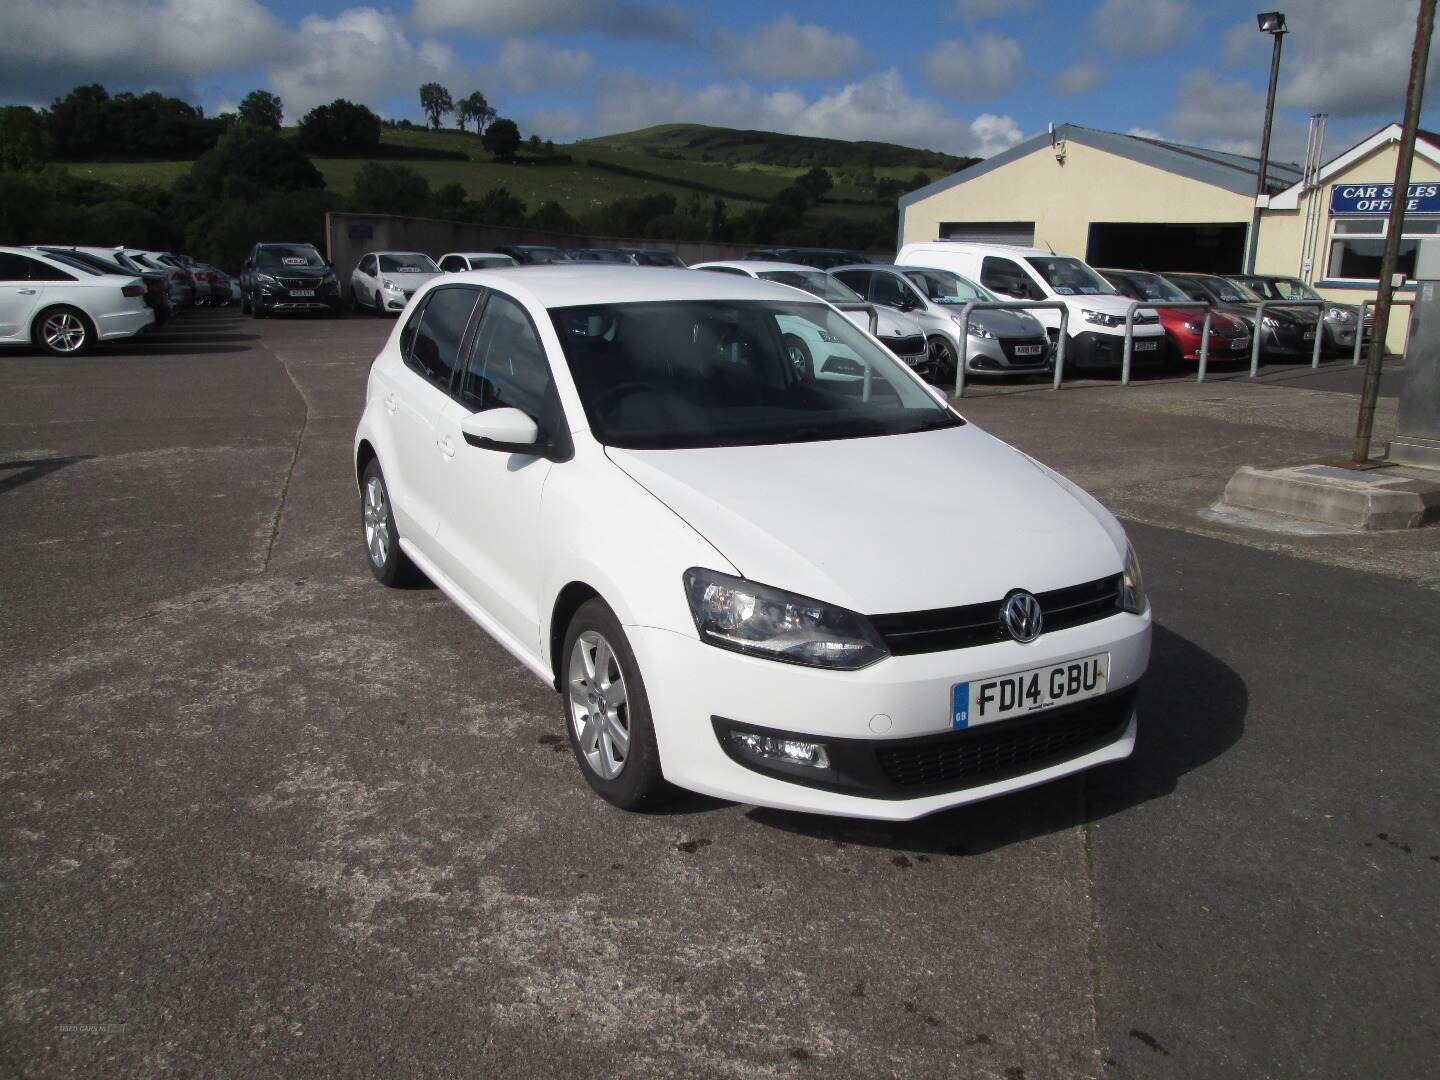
1092	349
892	709
998	356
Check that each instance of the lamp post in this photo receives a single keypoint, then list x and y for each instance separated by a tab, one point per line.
1272	23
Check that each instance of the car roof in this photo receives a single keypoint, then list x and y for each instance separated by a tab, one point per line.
755	266
965	245
572	284
476	254
868	266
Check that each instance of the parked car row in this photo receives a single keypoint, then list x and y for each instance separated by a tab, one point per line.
63	298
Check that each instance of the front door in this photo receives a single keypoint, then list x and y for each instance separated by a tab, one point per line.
488	536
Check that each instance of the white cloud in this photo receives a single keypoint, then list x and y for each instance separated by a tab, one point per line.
876	107
48	48
361	54
528	64
977	68
1347	58
1141	26
1078	78
1143	133
559	123
1244	44
786	49
500	18
1220	114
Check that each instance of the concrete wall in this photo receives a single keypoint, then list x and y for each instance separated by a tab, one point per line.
349	236
1063	200
1282	233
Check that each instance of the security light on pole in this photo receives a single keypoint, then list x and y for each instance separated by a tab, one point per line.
1272	23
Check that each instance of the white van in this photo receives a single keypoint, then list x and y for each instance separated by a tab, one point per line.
1097	311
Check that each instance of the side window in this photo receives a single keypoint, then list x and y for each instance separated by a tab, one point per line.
435	343
725	270
507	365
450	264
859	280
885	290
369	265
1004	277
40	271
14	267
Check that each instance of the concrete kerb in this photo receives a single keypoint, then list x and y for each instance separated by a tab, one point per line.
1369	500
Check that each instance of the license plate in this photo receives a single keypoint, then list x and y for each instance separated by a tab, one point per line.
1239	343
1028	350
302	292
1309	335
1000	697
1145	346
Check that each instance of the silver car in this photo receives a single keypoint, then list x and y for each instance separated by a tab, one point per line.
999	342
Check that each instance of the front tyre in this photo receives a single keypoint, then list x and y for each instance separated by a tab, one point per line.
390	565
944	364
607	714
63	331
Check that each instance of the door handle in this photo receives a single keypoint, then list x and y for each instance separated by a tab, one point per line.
27	292
392	404
446	447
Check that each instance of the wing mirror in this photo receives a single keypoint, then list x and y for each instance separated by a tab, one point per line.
509	430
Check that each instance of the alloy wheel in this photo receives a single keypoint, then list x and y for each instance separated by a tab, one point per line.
599	706
63	332
376	515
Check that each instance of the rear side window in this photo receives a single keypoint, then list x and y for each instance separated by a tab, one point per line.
859	280
39	271
886	290
432	346
507	366
451	263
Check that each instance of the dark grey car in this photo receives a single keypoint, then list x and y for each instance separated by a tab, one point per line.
1341	320
1288	332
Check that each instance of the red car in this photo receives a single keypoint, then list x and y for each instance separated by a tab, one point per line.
1229	336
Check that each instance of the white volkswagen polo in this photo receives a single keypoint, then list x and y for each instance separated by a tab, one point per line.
627	479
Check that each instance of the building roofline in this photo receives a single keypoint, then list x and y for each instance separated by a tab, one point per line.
1427	145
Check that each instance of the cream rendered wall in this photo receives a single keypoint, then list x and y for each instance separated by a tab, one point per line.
1281	232
1063	200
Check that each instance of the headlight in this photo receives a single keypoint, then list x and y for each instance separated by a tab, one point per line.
974	329
829	338
1132	584
1194	327
330	279
1100	318
266	279
1340	314
388	284
732	613
1271	322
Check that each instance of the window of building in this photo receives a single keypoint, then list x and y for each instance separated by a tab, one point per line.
1357	246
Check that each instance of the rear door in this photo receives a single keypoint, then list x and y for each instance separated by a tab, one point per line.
413	394
19	296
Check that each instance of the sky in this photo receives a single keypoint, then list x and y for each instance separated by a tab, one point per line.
964	76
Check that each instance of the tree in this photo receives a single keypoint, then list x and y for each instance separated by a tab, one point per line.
450	198
25	141
498	207
262	109
552	217
342	127
533	144
435	100
817	181
474	107
391	189
502	138
247	163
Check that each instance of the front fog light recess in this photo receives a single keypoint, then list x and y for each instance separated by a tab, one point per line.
786	751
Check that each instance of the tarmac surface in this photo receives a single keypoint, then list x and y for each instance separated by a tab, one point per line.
263	817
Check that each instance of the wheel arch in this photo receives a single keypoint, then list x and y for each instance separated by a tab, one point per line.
567	602
364	454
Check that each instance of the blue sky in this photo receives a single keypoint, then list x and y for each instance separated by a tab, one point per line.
967	76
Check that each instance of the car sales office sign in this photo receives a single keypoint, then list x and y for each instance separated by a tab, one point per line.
1375	199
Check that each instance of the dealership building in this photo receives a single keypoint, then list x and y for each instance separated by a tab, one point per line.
1128	201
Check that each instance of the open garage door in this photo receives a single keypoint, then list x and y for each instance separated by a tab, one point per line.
1215	249
1021	233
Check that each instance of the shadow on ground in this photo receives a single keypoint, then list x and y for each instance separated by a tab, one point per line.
1192	709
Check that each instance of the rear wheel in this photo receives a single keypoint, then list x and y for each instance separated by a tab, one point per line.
388	563
63	331
607	714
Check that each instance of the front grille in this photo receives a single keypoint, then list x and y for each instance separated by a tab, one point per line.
1146	320
905	346
299	283
941	629
993	752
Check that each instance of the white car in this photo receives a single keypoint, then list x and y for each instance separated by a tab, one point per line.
384	281
900	333
1096	332
459	261
65	308
623	478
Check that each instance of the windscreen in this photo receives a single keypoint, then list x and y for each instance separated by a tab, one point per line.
1070	277
676	374
1293	289
1230	292
1150	287
944	287
817	283
407	262
288	257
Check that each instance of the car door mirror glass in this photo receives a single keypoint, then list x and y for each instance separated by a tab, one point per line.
501	429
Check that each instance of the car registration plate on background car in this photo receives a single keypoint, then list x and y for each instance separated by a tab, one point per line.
1240	343
1144	346
1028	350
1000	697
1309	335
302	292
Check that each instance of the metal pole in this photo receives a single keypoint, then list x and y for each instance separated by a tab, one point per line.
1319	335
1414	94
1060	347
1259	333
964	349
1129	343
1360	333
1204	343
1279	36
